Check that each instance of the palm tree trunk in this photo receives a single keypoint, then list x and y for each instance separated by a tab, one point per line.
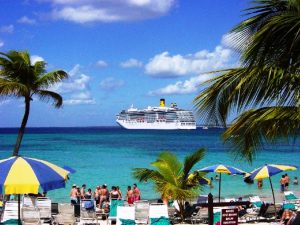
22	128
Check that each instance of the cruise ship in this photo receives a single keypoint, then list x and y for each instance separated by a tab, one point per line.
157	118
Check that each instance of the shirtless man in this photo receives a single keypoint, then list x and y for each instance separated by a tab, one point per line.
73	195
103	195
96	195
82	191
136	193
129	195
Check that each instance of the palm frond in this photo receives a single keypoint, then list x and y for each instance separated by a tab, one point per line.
242	88
191	160
12	88
254	128
51	78
45	95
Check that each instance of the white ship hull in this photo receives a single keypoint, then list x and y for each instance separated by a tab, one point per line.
134	125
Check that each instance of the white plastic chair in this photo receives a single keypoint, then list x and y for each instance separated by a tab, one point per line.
30	215
157	211
125	212
141	211
10	211
44	206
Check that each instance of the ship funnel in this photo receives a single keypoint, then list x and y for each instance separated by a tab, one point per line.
162	102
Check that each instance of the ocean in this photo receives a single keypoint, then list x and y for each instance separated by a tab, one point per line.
106	155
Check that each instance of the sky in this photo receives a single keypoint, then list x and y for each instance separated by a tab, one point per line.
117	53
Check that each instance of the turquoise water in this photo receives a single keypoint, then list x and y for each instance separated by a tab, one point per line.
107	155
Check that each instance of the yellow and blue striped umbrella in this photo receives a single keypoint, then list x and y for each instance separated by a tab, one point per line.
267	171
220	168
22	175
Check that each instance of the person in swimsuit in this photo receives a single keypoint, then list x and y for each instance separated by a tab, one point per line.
82	191
129	195
120	192
88	194
286	216
114	194
73	195
136	193
103	195
97	195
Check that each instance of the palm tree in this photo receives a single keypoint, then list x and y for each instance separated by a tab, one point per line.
19	78
172	178
265	89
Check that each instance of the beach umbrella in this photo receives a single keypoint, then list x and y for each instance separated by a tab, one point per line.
68	168
220	168
267	171
23	175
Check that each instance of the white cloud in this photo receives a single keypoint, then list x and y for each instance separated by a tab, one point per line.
26	20
111	83
75	89
131	63
101	63
7	29
4	102
1	43
182	87
82	98
109	11
166	65
36	58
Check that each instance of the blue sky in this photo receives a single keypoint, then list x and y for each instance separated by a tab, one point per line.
117	53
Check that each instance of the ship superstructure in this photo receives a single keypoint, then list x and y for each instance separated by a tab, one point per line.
157	118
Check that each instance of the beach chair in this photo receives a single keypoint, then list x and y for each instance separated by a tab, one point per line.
28	201
200	216
158	214
202	199
44	206
114	203
125	215
30	215
10	211
141	211
88	212
291	197
256	202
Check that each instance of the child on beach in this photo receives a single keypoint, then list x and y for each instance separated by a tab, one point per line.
295	182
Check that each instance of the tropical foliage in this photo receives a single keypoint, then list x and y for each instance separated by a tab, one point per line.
173	179
265	89
22	79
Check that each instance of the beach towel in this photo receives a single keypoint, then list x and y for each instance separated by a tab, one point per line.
289	206
89	205
217	217
160	221
290	196
127	222
113	207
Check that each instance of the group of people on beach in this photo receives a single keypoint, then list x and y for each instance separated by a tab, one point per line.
285	181
102	195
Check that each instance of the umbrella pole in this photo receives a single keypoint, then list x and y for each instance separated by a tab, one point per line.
220	187
19	209
273	195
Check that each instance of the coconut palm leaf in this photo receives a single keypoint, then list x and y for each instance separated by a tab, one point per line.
19	78
269	42
171	177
